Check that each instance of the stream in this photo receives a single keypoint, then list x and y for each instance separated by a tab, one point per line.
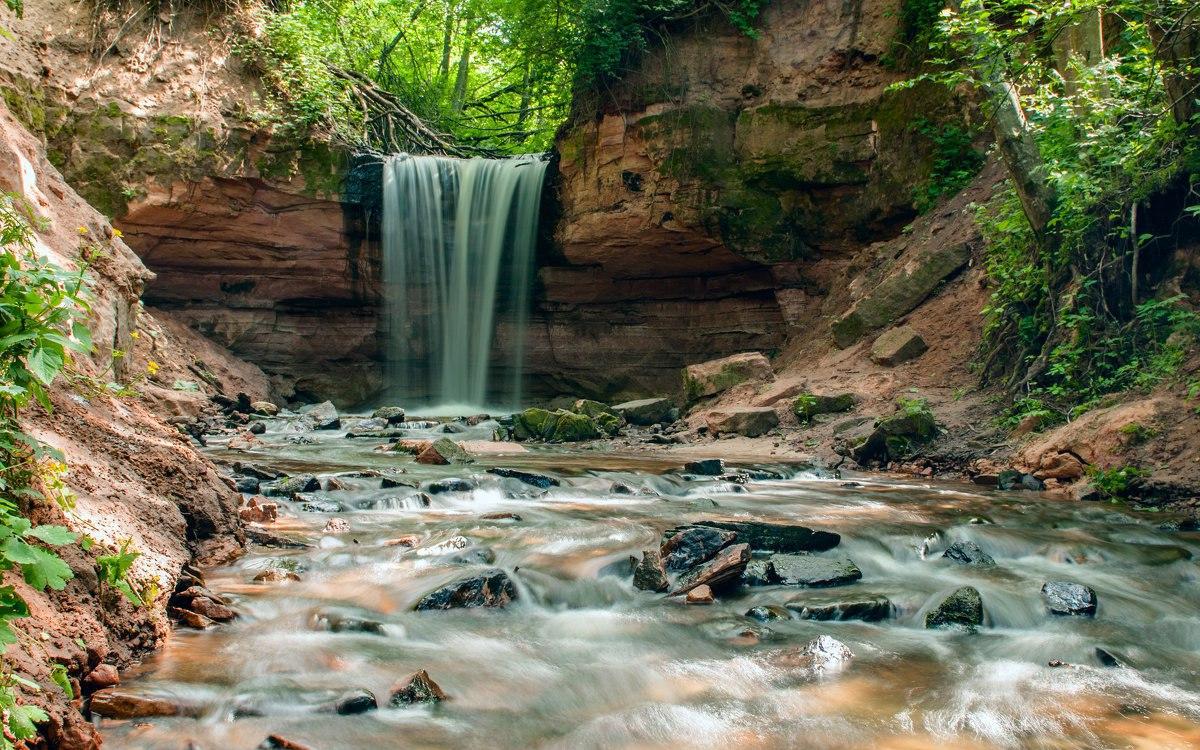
582	659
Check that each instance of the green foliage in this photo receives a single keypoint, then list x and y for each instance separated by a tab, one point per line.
916	31
1117	483
1073	315
955	162
114	571
1137	433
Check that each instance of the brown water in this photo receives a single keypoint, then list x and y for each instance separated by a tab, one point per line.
582	660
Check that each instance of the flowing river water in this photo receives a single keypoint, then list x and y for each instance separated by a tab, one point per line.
582	659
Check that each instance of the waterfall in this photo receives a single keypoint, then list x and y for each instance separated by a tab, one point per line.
458	254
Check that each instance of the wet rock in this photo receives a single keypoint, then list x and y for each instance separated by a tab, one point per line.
540	481
963	608
719	375
749	421
190	619
968	553
417	688
333	484
725	568
279	742
700	595
389	483
258	472
268	539
865	607
322	416
758	573
489	589
1108	658
820	655
257	428
408	540
605	417
259	510
289	486
449	485
695	545
444	451
806	406
621	488
103	676
889	439
620	568
336	526
1069	598
313	505
355	702
650	574
454	428
709	467
390	414
813	571
246	485
1086	492
114	703
213	610
767	612
265	408
335	622
1011	480
243	442
276	575
778	537
897	346
646	411
502	515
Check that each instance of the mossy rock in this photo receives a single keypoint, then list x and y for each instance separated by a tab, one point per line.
809	405
963	608
560	426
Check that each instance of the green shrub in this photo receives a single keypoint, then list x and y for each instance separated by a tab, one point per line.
1117	483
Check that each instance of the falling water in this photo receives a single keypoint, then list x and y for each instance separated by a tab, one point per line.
458	247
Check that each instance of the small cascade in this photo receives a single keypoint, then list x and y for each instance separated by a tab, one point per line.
458	257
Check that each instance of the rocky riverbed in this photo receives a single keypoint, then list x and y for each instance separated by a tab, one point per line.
531	595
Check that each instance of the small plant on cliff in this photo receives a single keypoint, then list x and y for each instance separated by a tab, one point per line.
955	162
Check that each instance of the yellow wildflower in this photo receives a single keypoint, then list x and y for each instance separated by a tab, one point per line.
152	367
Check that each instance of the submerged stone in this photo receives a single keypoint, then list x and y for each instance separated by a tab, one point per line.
968	553
963	608
650	574
489	589
537	480
338	623
708	467
822	654
114	703
417	688
865	607
813	571
767	612
1069	598
453	484
355	702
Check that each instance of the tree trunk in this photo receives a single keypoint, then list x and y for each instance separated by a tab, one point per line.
464	68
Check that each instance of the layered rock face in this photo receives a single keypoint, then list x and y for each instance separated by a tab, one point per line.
717	192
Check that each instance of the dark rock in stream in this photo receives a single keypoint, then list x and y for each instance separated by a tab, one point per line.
778	537
813	571
355	702
709	467
541	481
963	608
650	574
389	483
251	470
417	688
389	414
246	485
758	573
1010	480
865	607
257	428
968	553
278	742
339	623
313	505
291	485
768	612
620	568
1108	658
489	589
322	416
1069	598
725	568
449	485
692	546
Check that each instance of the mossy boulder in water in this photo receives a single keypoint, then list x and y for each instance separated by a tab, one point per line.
605	417
963	608
560	426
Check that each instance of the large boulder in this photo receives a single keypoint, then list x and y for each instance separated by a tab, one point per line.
1069	598
646	411
897	346
444	451
695	545
389	414
778	537
891	438
750	421
809	405
963	608
717	375
865	607
492	588
900	292
814	571
727	566
605	417
322	416
560	426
